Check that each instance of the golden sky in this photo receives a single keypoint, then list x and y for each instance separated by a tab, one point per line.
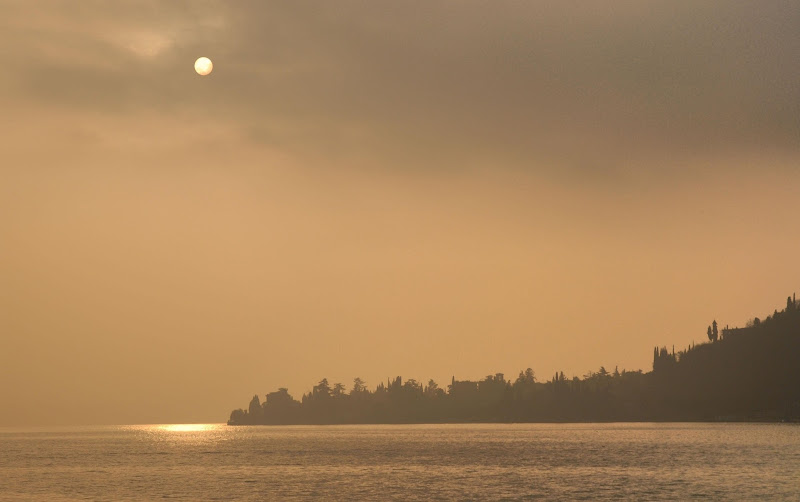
374	189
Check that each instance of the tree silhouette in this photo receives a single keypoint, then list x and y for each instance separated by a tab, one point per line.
322	390
751	373
338	390
530	376
358	386
432	390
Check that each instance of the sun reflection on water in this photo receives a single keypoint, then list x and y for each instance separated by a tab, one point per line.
188	427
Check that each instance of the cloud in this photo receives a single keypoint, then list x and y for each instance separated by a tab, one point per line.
575	87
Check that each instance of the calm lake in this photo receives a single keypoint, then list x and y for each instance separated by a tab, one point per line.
403	462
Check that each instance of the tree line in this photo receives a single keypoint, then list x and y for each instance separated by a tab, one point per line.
748	373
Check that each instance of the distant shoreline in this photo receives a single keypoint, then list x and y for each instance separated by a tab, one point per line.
720	421
741	375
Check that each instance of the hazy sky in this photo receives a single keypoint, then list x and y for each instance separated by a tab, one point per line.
374	189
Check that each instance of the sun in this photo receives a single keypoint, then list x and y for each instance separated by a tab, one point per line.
203	66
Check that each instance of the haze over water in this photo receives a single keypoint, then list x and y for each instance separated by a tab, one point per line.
403	462
373	189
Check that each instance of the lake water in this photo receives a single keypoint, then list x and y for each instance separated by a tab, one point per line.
403	462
